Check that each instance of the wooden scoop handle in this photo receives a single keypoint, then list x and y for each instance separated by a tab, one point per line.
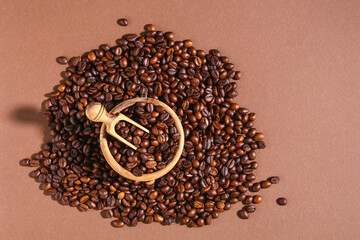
97	113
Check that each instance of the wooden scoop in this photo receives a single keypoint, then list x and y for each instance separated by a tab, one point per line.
97	113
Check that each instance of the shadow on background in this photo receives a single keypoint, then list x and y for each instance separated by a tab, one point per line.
31	116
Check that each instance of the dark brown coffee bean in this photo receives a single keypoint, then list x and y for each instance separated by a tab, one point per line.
265	184
259	137
274	180
250	208
243	214
261	145
62	60
281	201
255	187
118	223
83	207
62	162
110	201
138	172
34	163
149	28
25	162
72	177
108	213
122	22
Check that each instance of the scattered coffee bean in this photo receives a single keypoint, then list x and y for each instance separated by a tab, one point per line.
281	201
265	184
25	162
62	60
274	180
250	208
243	214
122	22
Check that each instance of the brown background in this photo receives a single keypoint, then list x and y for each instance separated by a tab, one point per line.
301	75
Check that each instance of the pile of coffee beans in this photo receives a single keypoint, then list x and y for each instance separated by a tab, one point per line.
217	168
155	149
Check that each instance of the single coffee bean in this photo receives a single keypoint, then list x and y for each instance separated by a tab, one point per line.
243	214
118	223
149	28
83	207
122	22
158	218
274	180
108	213
281	201
257	199
265	184
25	162
62	60
250	208
259	137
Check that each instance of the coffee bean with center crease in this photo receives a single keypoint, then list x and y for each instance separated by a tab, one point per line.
250	208
274	180
108	213
216	167
122	22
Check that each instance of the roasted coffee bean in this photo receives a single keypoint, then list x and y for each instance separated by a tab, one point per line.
281	201
83	207
216	168
34	163
149	28
259	137
255	187
108	213
25	162
257	199
62	60
62	162
118	223
122	22
158	218
274	180
250	208
110	201
265	184
243	214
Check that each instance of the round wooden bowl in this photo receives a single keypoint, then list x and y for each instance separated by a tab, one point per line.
117	167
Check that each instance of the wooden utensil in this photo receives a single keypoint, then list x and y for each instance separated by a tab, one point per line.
97	113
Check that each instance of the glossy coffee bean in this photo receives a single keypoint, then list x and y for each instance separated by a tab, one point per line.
243	214
281	201
122	22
